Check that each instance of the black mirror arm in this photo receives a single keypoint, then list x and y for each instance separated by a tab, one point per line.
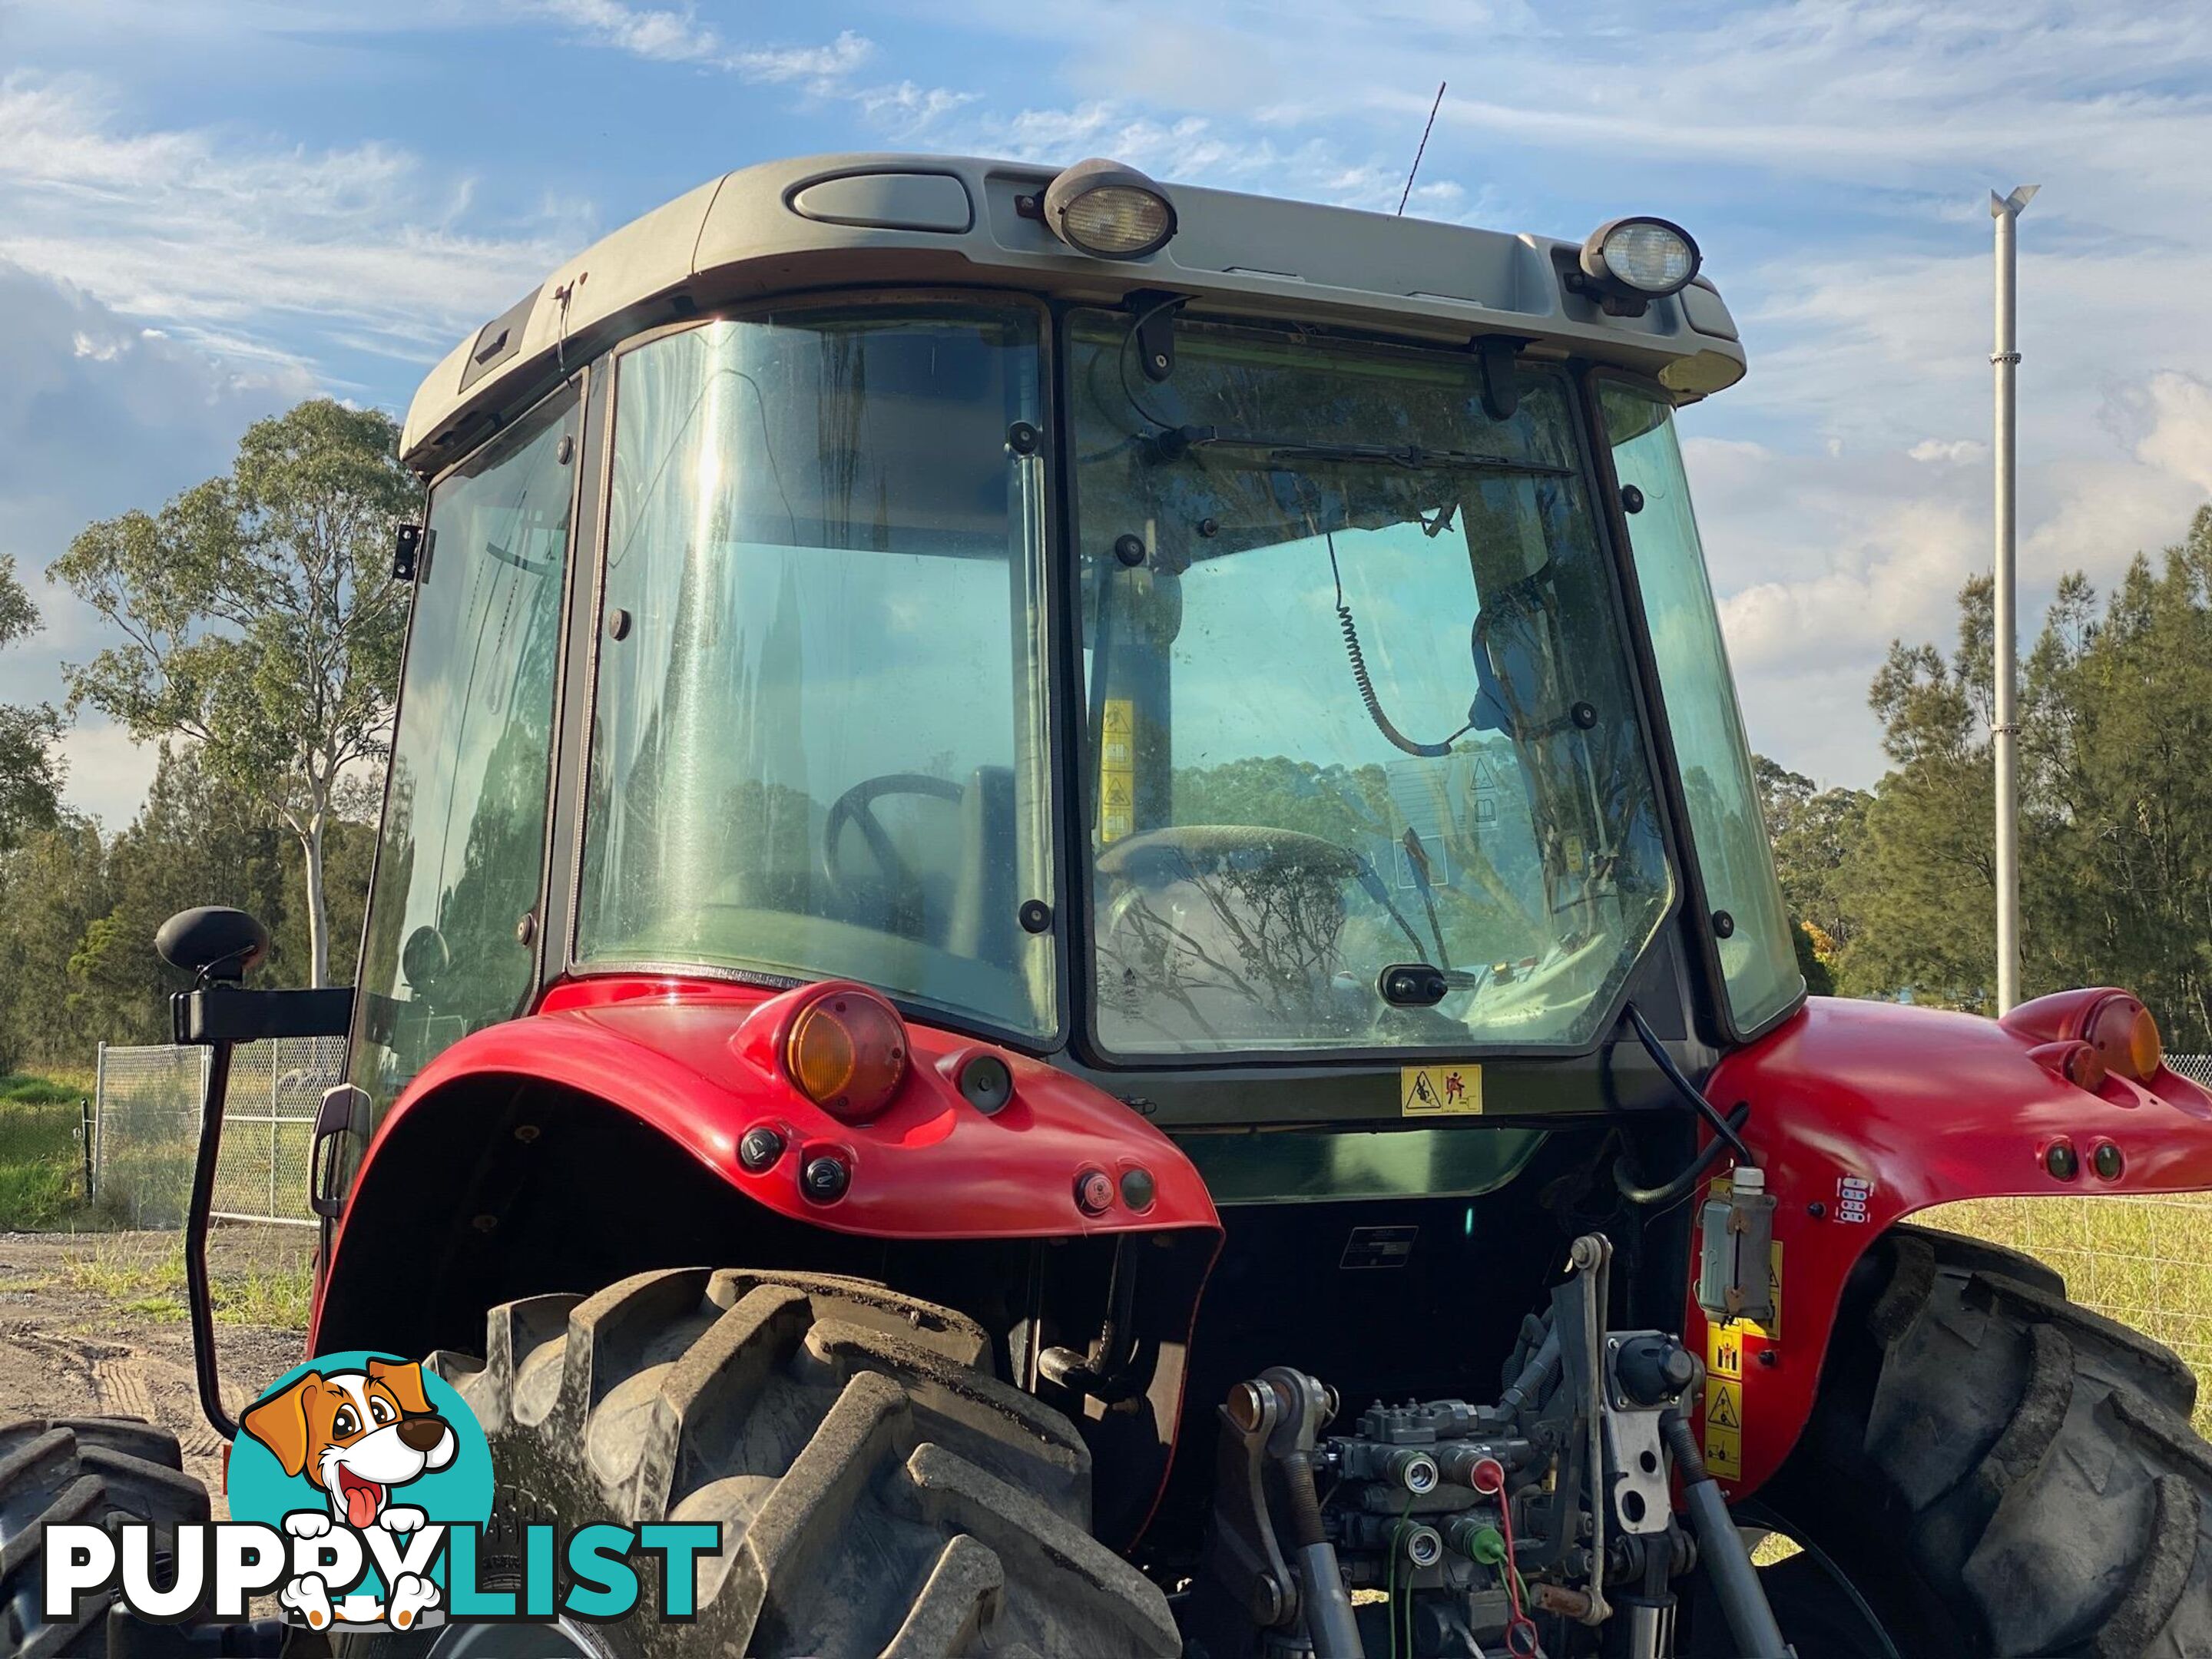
219	946
199	1295
217	1014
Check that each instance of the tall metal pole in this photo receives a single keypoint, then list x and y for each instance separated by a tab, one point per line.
2004	737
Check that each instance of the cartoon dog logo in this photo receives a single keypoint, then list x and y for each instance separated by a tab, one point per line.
357	1436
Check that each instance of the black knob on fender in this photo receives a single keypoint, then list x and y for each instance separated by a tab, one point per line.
825	1178
760	1148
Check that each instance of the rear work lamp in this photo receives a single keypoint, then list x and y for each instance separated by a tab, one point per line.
1107	209
1626	264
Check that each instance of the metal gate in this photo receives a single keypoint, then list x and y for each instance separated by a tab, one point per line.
146	1130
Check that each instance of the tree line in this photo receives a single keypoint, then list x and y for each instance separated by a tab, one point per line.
79	906
1895	886
257	637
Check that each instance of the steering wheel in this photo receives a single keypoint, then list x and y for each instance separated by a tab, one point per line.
856	806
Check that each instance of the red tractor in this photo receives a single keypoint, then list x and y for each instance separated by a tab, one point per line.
1072	925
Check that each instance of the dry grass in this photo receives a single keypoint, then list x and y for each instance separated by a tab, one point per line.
263	1278
2144	1261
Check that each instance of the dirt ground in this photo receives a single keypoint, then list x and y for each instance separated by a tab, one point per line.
80	1334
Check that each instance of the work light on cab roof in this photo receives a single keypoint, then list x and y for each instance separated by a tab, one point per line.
1628	263
1106	209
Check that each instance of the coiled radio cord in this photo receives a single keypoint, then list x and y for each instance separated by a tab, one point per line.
1365	682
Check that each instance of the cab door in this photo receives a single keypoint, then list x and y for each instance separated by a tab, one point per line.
452	932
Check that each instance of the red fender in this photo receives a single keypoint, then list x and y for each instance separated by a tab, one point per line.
696	1060
1863	1113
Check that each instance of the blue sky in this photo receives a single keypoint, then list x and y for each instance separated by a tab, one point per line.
209	208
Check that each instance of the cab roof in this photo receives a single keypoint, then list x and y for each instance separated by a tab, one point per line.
843	221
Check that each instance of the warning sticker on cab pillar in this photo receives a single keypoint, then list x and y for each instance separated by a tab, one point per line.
1117	769
1724	1401
1440	1090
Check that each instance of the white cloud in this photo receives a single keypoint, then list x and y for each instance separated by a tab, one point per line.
2179	440
665	36
1935	452
106	773
232	244
1819	558
1823	559
676	36
1812	717
831	63
904	109
96	417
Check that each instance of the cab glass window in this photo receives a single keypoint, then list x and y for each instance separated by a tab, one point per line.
1757	959
817	743
457	865
1359	705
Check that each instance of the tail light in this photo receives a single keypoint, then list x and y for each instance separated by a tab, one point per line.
2124	1034
2113	1023
847	1053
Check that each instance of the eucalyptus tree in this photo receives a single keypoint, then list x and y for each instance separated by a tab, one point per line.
257	619
30	776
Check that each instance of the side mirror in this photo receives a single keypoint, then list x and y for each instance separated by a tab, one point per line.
212	942
424	958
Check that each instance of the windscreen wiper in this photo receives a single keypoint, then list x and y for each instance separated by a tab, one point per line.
1171	443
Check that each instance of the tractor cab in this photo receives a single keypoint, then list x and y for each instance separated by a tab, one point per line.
1151	679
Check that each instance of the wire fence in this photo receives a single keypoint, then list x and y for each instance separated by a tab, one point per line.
147	1123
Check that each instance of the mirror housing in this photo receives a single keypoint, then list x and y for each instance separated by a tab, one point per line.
212	942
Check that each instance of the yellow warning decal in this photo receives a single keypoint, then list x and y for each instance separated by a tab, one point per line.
1117	769
1440	1090
1724	1400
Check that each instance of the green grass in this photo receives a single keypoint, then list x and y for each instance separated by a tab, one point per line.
146	1278
41	1160
48	1088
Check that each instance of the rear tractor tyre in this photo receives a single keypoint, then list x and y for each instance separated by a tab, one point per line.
881	1494
97	1470
1999	1471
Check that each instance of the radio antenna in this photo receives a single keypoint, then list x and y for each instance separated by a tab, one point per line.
1406	195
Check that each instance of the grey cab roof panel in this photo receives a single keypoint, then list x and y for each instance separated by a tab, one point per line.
829	221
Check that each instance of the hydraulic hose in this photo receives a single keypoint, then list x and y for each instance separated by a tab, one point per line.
1329	1622
1536	1375
1720	1548
1690	1094
1673	1191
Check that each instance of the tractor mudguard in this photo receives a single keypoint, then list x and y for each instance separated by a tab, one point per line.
1863	1113
697	1062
